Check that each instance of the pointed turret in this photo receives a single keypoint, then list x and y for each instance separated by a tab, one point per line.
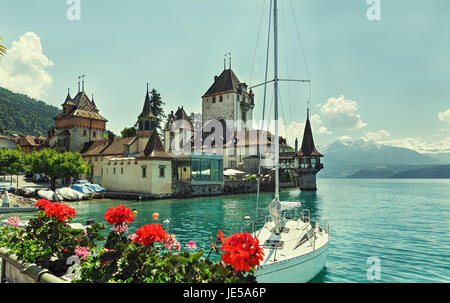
146	120
308	148
308	160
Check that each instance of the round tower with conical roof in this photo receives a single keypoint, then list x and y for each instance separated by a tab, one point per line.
308	160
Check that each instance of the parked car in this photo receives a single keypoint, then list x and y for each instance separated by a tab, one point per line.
40	178
82	182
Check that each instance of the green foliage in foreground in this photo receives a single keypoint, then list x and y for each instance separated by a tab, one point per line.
123	261
51	243
48	242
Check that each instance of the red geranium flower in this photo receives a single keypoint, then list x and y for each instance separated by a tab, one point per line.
242	251
43	203
57	210
149	234
119	214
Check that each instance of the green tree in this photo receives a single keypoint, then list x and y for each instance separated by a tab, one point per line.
56	165
11	161
156	105
2	48
128	132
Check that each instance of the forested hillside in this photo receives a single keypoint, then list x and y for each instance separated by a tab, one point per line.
23	115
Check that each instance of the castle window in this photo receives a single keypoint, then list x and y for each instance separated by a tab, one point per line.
220	98
144	171
95	134
213	99
114	170
84	133
162	171
121	170
147	125
140	125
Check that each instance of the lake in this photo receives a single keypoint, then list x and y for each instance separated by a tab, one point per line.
402	223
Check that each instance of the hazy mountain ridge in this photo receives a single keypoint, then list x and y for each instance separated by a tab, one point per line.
366	159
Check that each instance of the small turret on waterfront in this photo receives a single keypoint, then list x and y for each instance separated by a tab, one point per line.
308	160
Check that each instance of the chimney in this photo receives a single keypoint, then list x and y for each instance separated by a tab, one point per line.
110	137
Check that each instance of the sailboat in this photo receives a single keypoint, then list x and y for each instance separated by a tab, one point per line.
295	251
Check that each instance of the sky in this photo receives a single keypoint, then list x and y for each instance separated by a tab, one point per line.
384	80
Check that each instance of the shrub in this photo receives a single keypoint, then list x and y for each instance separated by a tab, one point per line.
150	255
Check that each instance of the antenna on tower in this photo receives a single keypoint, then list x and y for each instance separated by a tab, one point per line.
230	59
83	81
79	77
225	62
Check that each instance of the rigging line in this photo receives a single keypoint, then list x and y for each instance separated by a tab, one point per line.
282	113
264	109
300	41
257	41
285	62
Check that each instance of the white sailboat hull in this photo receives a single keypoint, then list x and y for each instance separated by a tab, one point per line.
300	269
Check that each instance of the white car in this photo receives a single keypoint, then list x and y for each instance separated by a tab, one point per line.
82	182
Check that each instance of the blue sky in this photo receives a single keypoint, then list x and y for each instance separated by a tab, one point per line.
383	80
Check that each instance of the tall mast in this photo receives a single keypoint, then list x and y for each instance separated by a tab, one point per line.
275	69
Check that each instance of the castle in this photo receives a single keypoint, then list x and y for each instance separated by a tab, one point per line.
129	164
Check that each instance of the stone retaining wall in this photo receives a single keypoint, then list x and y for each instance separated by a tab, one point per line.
240	186
15	271
187	190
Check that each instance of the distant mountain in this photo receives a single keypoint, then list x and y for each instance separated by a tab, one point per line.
442	157
386	172
437	171
23	115
368	159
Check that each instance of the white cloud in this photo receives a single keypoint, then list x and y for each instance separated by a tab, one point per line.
345	138
341	113
316	125
375	136
296	129
444	116
23	68
420	145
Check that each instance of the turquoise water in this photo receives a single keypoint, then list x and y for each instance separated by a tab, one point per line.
403	223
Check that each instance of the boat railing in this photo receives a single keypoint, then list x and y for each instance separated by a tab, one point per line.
306	216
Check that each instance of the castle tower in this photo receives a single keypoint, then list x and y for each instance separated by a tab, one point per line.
308	160
228	99
183	126
146	120
79	122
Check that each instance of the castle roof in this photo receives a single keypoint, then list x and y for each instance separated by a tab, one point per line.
146	110
180	114
68	100
227	81
308	148
154	148
106	147
83	107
